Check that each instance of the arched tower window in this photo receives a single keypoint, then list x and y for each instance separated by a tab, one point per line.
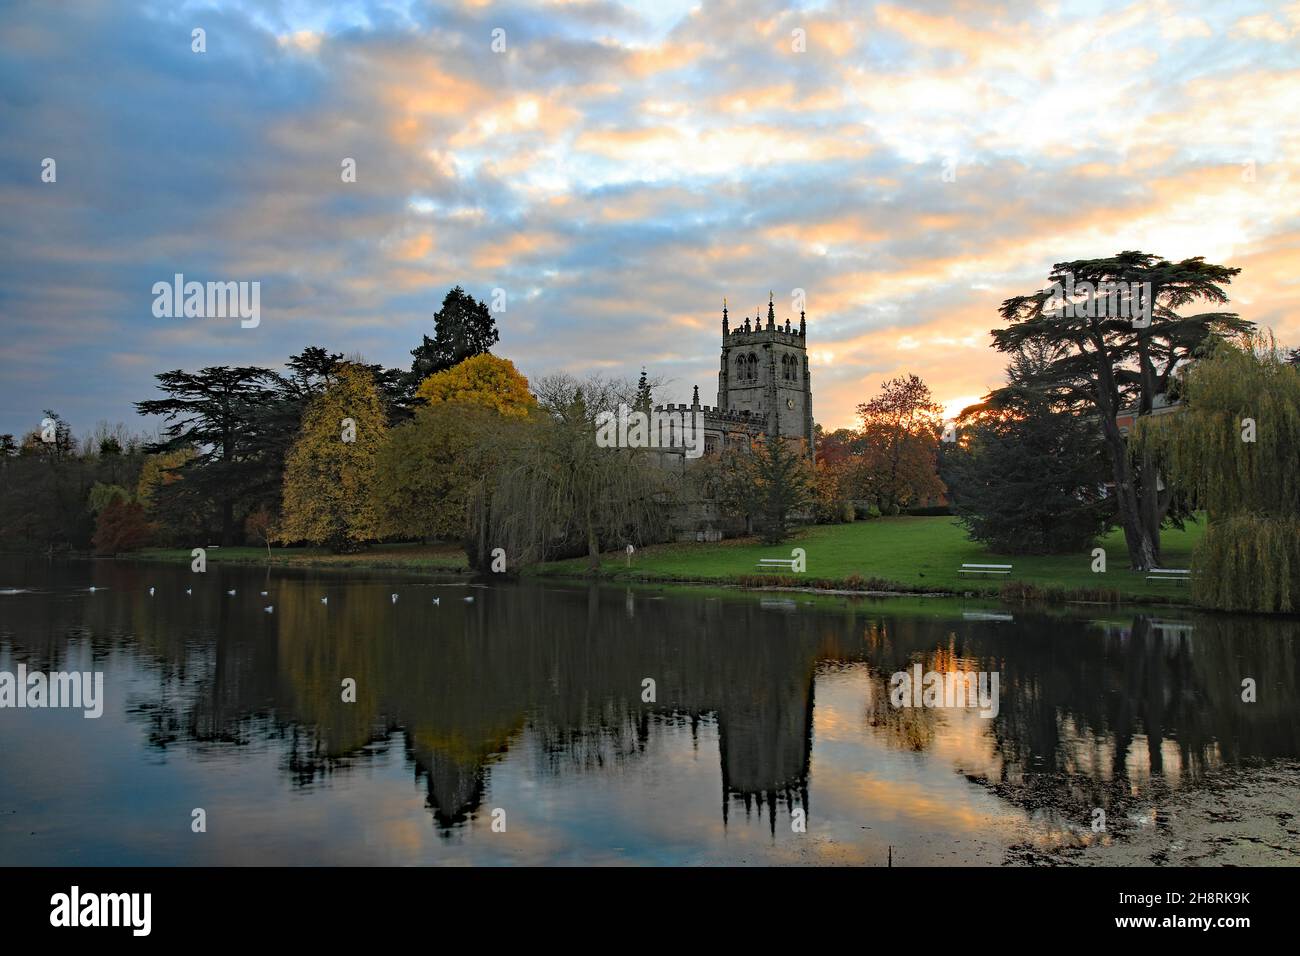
753	366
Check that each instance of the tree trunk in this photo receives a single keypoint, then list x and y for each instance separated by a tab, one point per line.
1141	550
1153	514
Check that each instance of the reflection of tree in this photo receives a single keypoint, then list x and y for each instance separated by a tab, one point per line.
1094	708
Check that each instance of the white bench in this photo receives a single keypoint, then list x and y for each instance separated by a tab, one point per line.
774	564
1170	574
985	569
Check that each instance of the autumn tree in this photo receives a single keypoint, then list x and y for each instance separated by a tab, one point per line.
122	526
831	486
483	380
331	469
1121	351
899	441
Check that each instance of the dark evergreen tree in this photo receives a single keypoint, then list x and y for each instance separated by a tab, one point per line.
221	412
463	327
784	477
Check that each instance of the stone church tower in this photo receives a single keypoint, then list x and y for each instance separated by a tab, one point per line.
764	374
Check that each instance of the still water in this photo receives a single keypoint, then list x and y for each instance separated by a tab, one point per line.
523	703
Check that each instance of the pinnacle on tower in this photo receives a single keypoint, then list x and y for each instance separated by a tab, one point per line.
803	327
725	327
771	311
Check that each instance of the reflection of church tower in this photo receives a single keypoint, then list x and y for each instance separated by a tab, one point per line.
764	371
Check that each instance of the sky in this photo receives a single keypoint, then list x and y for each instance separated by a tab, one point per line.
616	170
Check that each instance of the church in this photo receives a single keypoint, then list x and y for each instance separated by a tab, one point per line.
764	386
764	389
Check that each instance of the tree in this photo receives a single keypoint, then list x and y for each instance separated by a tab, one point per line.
1234	448
733	477
557	491
1027	477
432	466
218	412
463	328
831	501
101	495
483	380
838	446
260	526
1111	361
899	440
330	470
122	526
1029	480
783	475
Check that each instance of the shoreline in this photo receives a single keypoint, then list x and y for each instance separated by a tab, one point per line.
448	561
1233	816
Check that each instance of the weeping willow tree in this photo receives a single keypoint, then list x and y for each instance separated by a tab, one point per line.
1236	449
556	492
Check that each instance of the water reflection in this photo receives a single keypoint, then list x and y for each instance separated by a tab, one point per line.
792	698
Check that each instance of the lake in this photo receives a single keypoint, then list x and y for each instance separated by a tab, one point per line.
515	723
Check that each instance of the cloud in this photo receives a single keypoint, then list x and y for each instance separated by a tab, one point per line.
618	170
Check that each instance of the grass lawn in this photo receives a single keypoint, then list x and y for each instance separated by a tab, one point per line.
413	557
922	553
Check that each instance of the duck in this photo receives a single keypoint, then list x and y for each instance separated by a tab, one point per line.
151	592
231	591
437	601
394	598
189	590
269	608
469	599
324	600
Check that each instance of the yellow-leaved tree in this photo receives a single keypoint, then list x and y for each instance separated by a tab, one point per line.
331	468
484	380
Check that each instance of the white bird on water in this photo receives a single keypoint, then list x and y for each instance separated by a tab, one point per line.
151	592
394	598
469	599
268	609
324	600
231	591
189	590
437	600
93	589
263	594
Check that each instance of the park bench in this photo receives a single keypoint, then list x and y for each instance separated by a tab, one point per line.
776	564
1170	574
984	569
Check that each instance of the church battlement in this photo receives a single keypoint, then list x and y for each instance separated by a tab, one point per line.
764	378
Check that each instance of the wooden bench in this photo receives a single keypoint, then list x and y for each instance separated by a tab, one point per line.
775	564
1170	574
984	569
